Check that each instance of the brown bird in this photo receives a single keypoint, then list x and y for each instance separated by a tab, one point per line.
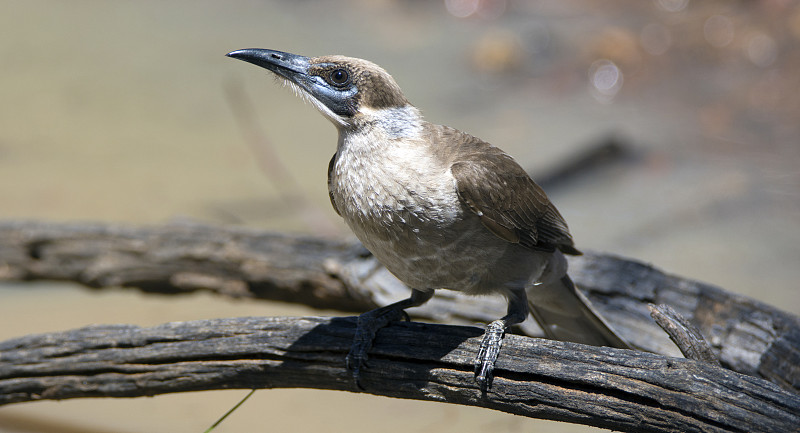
439	208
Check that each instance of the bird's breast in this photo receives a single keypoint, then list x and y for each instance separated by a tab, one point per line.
403	206
394	189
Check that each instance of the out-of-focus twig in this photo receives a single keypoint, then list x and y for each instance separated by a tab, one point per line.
599	155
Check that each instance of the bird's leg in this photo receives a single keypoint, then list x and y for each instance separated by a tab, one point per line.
372	321
493	337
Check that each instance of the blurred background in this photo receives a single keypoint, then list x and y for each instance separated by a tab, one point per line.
128	112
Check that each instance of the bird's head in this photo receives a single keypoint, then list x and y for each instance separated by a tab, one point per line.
344	89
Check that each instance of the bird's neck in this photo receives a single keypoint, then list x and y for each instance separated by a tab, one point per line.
385	124
392	143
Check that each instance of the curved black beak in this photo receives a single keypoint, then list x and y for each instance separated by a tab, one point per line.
286	65
335	103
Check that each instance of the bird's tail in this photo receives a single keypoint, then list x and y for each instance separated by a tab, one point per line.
565	314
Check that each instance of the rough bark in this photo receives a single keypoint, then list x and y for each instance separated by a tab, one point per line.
612	388
618	389
747	336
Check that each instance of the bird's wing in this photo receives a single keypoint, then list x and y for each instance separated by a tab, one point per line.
330	192
509	203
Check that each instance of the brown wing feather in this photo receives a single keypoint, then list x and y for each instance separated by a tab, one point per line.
330	192
510	204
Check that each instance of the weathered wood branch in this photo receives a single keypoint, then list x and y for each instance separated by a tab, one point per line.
685	335
618	389
746	335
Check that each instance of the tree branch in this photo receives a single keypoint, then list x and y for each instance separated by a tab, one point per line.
618	389
685	335
746	335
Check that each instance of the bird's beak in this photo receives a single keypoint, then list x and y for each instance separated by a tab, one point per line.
335	104
290	66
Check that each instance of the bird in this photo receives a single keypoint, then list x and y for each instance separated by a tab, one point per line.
439	208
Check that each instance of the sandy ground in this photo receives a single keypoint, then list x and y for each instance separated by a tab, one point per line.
121	112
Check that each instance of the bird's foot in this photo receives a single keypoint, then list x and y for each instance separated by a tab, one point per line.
487	354
368	326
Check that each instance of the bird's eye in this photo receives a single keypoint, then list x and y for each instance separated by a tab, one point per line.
339	77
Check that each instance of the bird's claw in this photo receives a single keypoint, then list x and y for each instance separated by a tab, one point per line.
487	353
367	327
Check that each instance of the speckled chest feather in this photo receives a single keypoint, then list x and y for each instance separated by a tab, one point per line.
400	200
